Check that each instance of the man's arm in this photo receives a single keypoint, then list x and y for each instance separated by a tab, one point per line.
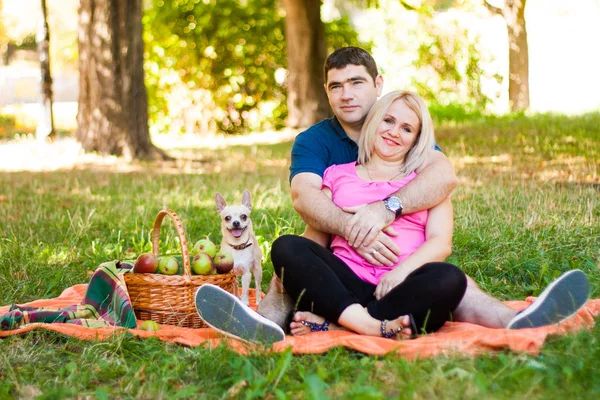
323	217
433	184
315	207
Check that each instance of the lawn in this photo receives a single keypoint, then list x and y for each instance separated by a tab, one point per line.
527	209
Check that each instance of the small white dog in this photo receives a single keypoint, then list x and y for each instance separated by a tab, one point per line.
240	241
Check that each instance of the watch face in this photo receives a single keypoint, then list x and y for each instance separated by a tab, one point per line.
393	204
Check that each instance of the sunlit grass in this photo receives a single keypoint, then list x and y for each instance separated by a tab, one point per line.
527	209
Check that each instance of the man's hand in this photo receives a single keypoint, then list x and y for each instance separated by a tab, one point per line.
367	222
390	281
382	251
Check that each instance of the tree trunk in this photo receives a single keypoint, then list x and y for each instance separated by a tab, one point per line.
45	128
518	57
513	13
113	103
306	52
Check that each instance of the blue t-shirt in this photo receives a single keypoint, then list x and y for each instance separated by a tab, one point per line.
321	146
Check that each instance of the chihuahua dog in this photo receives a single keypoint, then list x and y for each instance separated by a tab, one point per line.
240	241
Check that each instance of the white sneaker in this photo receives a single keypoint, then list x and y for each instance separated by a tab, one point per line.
226	313
560	300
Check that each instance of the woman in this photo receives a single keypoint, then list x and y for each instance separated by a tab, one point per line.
416	294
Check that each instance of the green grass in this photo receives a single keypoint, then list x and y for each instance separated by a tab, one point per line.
527	209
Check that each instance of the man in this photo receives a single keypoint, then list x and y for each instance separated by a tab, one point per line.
353	85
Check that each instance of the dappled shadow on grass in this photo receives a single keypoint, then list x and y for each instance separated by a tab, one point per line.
65	156
203	153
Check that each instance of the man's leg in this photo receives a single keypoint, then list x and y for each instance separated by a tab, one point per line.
560	300
478	307
277	305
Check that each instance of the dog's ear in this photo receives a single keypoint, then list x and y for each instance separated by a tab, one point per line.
221	203
246	201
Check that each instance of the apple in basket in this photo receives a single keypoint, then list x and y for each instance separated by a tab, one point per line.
146	263
202	264
167	265
205	246
223	262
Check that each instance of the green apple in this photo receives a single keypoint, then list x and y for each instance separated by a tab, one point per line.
146	263
149	325
205	246
202	264
167	265
223	262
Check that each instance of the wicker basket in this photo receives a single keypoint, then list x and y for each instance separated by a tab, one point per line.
169	299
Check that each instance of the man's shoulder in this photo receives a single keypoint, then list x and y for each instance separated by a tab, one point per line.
321	129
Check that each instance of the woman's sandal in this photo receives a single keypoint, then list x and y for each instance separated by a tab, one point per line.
389	333
315	327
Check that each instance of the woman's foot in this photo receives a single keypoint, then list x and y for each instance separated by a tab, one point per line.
400	326
298	326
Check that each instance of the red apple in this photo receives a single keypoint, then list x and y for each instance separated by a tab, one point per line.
223	262
205	246
202	264
146	263
167	265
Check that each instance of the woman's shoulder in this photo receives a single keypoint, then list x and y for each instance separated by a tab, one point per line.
342	168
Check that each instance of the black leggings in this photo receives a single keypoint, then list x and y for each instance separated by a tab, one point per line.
320	282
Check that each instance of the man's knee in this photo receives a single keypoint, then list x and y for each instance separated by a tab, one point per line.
471	284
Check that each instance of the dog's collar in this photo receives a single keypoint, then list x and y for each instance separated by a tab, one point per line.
241	246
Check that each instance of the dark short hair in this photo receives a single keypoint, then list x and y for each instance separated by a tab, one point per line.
344	56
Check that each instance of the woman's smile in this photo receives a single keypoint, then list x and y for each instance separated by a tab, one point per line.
397	132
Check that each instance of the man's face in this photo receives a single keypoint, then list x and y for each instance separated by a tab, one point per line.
352	93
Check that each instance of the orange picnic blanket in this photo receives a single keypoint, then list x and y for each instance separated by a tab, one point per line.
453	338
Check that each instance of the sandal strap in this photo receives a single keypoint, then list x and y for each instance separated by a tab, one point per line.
389	333
315	327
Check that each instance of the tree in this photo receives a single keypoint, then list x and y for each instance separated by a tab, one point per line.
46	123
306	52
513	13
113	103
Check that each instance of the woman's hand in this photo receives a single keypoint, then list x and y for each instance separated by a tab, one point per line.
390	281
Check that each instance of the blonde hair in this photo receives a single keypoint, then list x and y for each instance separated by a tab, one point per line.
424	143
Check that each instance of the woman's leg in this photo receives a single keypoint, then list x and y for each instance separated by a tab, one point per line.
324	285
430	294
315	278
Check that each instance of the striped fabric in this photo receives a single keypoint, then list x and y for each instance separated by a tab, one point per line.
106	303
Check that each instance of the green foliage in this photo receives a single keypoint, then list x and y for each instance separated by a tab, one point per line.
219	65
8	124
451	63
429	48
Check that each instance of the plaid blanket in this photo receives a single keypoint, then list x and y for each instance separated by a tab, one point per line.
106	303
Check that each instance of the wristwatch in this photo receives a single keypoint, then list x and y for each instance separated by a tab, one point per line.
394	205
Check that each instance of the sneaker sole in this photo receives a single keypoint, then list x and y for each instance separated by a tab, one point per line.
227	314
559	301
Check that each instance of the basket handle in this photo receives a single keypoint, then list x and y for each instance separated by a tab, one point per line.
185	255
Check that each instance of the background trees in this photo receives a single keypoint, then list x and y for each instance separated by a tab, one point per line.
225	65
513	13
305	38
113	104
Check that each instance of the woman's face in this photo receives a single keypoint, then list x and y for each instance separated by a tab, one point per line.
397	132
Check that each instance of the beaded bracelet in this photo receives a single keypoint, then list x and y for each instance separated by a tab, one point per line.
389	333
314	327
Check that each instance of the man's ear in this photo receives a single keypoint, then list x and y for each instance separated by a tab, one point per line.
246	201
221	203
379	84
